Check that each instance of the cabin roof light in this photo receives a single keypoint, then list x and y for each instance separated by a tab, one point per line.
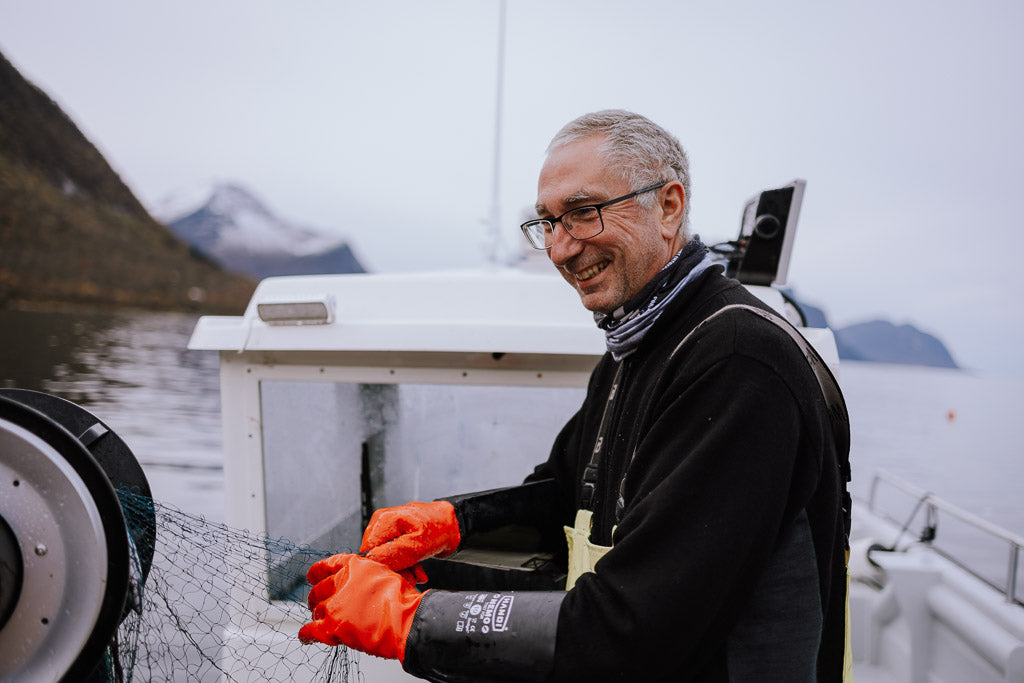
311	311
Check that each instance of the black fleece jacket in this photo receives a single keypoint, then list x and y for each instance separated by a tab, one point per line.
728	545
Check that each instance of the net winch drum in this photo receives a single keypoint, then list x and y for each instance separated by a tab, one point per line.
70	568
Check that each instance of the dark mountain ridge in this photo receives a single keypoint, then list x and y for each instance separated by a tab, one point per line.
71	231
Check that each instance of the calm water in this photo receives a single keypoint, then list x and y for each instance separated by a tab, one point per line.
946	431
133	372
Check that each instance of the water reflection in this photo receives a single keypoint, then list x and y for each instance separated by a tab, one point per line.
39	348
133	371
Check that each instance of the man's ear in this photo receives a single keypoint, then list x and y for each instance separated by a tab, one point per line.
673	200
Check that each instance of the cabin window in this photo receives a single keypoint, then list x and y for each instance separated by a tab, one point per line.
334	451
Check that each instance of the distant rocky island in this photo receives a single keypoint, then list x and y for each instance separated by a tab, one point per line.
881	341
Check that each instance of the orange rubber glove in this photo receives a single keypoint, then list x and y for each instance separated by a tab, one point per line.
402	536
362	604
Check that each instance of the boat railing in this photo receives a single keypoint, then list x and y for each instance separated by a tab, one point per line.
931	504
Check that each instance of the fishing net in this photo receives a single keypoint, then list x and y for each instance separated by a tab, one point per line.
202	613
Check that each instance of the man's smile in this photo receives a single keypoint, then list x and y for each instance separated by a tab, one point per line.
591	271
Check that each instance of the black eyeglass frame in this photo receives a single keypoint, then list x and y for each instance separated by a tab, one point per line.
600	218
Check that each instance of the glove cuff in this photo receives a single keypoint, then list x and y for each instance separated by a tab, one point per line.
473	636
452	527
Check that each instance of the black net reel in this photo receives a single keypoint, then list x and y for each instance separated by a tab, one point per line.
70	568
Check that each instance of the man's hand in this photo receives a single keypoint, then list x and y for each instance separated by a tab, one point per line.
402	536
362	604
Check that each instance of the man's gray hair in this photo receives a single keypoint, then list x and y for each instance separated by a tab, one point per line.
644	152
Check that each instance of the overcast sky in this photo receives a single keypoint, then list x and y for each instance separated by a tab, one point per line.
376	120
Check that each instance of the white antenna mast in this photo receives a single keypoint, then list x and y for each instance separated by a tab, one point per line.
494	246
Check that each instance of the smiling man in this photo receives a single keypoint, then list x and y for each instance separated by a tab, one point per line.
637	232
700	485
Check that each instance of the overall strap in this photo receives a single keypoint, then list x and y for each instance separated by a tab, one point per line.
589	489
838	415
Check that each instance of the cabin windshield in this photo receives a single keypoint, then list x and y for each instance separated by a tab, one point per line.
334	451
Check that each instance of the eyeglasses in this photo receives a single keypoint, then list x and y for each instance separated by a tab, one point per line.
581	223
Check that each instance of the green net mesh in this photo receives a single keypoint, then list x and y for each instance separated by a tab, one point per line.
202	613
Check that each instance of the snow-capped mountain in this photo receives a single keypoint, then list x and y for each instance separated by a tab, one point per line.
229	224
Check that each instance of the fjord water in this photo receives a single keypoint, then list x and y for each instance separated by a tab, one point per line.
133	372
949	432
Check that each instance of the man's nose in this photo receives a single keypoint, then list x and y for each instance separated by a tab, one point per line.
563	246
